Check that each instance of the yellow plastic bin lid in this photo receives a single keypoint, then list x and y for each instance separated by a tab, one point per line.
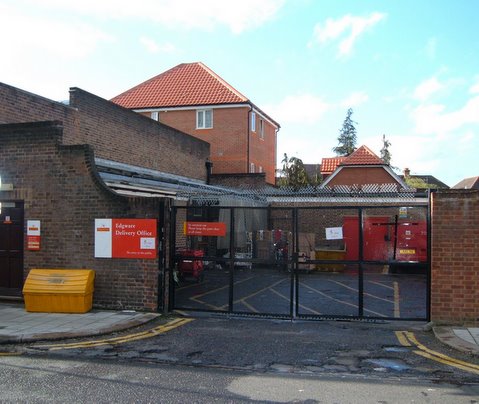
59	281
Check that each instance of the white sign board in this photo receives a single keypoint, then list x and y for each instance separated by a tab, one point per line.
334	233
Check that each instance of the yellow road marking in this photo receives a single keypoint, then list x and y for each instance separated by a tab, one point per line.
121	340
407	338
364	293
381	284
342	301
9	354
402	338
397	312
243	299
223	287
300	305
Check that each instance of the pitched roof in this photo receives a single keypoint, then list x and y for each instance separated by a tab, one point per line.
329	164
468	183
362	156
187	84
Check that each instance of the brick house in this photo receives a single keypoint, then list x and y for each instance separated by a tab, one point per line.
195	100
362	167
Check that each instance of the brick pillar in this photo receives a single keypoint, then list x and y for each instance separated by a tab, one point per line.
455	257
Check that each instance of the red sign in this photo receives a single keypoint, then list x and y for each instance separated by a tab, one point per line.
133	238
33	235
33	243
125	238
205	229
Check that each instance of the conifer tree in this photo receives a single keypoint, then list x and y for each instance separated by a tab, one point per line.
347	136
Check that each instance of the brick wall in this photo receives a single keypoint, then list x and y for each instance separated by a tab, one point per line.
114	132
229	139
455	257
65	194
361	175
246	181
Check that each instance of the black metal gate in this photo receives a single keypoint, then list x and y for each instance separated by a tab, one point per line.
365	262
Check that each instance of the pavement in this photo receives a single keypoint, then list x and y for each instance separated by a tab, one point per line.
17	326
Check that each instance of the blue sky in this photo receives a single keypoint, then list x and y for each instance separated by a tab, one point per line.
408	69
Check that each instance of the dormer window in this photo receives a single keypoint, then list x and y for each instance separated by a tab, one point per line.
204	119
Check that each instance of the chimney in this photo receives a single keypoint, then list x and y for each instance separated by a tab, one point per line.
407	172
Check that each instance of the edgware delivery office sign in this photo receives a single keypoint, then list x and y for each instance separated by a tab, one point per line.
125	238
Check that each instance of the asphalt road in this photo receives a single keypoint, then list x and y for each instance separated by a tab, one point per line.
399	349
268	291
55	380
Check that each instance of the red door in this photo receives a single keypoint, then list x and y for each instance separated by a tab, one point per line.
378	238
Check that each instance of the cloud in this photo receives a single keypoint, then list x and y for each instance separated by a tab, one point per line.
348	27
56	37
430	119
474	88
153	47
355	99
303	108
238	16
427	88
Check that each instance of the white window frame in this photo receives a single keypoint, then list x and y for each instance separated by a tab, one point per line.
253	121
251	167
201	118
261	129
155	115
260	169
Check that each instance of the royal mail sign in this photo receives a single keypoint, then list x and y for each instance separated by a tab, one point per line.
125	238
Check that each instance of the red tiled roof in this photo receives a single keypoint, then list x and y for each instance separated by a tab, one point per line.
187	84
329	164
362	156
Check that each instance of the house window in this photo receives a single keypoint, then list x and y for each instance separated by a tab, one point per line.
204	118
155	115
253	121
251	168
260	169
261	129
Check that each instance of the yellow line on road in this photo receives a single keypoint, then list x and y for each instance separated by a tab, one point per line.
407	338
9	354
397	312
402	338
121	340
341	301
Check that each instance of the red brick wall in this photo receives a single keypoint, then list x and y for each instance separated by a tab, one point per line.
64	193
114	132
455	256
228	139
361	176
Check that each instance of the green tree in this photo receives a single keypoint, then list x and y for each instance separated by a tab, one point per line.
347	136
418	183
293	173
385	153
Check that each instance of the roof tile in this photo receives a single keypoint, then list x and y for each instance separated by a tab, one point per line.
187	84
362	156
329	164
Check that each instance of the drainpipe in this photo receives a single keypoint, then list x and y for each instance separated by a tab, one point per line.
248	134
209	167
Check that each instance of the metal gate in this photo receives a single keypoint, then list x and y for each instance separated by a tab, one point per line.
364	262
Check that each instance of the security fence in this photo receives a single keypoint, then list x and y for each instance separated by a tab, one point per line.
322	260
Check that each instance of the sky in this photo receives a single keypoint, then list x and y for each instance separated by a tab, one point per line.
409	69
